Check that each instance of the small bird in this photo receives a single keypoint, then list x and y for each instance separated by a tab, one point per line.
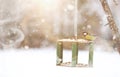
88	37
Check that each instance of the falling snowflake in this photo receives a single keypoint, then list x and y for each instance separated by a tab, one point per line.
89	26
26	47
70	7
114	37
42	20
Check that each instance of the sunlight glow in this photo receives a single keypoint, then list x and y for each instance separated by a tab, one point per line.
48	4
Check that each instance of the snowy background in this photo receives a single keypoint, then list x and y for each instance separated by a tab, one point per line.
42	62
29	30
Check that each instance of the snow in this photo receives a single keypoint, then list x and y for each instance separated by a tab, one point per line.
42	62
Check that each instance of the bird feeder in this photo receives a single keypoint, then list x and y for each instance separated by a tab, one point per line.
75	44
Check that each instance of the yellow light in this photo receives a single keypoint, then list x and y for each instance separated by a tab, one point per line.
46	8
48	4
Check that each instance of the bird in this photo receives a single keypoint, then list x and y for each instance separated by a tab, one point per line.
88	36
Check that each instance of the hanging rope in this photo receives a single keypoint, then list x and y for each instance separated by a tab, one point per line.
75	19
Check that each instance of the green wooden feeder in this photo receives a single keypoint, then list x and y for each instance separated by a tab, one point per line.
74	61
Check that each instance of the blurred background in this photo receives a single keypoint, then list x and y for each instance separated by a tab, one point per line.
40	23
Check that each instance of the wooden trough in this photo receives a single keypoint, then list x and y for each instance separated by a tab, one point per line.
74	62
